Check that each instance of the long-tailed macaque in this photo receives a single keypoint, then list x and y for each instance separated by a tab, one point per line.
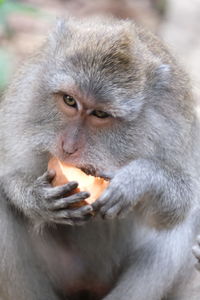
106	96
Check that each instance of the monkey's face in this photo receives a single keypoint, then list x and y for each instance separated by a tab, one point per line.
93	133
93	93
99	103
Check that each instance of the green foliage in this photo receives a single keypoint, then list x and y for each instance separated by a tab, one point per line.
8	7
5	67
161	6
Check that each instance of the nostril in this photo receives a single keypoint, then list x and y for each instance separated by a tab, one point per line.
69	148
70	151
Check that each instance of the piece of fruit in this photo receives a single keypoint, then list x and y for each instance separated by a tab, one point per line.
87	183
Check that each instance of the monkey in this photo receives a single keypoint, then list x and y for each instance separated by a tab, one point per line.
106	96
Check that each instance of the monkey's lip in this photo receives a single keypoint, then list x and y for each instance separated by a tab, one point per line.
89	170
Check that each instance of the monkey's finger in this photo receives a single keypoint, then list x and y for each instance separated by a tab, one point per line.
47	177
59	191
197	266
72	222
124	211
198	240
82	221
109	206
63	221
196	251
109	198
102	200
111	213
66	202
79	213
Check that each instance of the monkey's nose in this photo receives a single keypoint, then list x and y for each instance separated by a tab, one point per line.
70	152
69	148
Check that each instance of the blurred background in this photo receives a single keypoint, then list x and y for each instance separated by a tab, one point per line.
24	24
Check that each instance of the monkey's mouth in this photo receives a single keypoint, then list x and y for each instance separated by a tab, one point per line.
89	170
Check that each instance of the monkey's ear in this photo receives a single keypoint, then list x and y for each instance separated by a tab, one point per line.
161	76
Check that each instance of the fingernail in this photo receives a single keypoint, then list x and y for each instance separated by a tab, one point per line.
103	216
88	208
52	172
73	184
195	249
95	205
104	196
86	194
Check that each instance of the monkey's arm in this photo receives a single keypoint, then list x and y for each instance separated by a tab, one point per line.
21	276
42	203
161	193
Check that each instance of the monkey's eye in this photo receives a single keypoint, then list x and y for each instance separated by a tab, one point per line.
69	100
100	114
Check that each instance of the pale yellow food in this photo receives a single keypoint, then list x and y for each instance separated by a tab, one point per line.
87	183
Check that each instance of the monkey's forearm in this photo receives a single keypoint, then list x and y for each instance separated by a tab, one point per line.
169	192
18	190
159	192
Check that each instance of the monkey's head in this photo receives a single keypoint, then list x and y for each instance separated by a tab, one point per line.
105	92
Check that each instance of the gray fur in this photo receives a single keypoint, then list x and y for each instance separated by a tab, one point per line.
138	246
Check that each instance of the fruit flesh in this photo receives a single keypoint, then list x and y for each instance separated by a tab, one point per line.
87	183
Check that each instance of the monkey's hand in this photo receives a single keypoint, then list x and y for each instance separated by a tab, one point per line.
196	252
168	192
52	204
